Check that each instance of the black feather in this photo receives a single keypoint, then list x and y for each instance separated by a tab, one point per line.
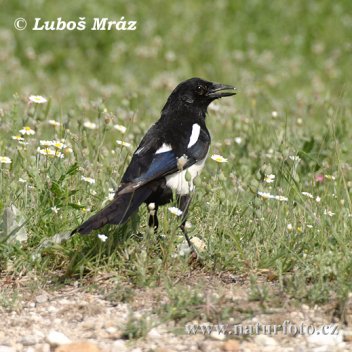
117	212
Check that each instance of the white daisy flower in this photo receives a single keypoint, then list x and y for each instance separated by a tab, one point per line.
38	99
175	211
218	158
125	144
5	160
281	198
269	178
289	227
238	140
267	195
46	143
55	209
264	195
45	151
102	237
274	114
59	145
307	194
68	150
26	130
328	212
50	152
88	179
318	199
111	194
294	157
59	154
17	138
120	128
54	123
90	125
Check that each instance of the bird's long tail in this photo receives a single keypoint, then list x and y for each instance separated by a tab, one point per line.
117	212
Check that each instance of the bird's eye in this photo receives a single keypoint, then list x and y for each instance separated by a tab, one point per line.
200	90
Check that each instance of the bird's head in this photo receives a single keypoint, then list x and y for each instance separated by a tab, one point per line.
198	93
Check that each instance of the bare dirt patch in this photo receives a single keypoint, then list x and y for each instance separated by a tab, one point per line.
115	316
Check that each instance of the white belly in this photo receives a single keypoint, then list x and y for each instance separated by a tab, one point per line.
177	181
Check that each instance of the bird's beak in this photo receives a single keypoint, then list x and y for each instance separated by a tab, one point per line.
221	90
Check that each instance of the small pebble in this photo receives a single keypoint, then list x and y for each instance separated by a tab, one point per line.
217	336
119	345
29	340
6	349
264	340
41	299
154	333
111	330
321	339
56	338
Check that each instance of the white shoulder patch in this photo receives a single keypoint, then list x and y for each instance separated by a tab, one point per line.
164	148
194	135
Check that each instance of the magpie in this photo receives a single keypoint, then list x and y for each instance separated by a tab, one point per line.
169	157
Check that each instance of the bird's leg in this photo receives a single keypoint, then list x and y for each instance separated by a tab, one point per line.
183	204
153	216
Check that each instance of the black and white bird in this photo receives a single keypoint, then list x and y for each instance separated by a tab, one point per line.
169	157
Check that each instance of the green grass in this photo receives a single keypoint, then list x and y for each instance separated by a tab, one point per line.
292	58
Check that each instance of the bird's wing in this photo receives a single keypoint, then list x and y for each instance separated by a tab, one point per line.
150	163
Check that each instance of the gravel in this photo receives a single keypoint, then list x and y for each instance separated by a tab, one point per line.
72	320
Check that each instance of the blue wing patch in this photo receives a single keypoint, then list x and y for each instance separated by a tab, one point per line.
165	163
162	164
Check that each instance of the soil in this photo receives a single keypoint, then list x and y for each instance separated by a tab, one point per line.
95	315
